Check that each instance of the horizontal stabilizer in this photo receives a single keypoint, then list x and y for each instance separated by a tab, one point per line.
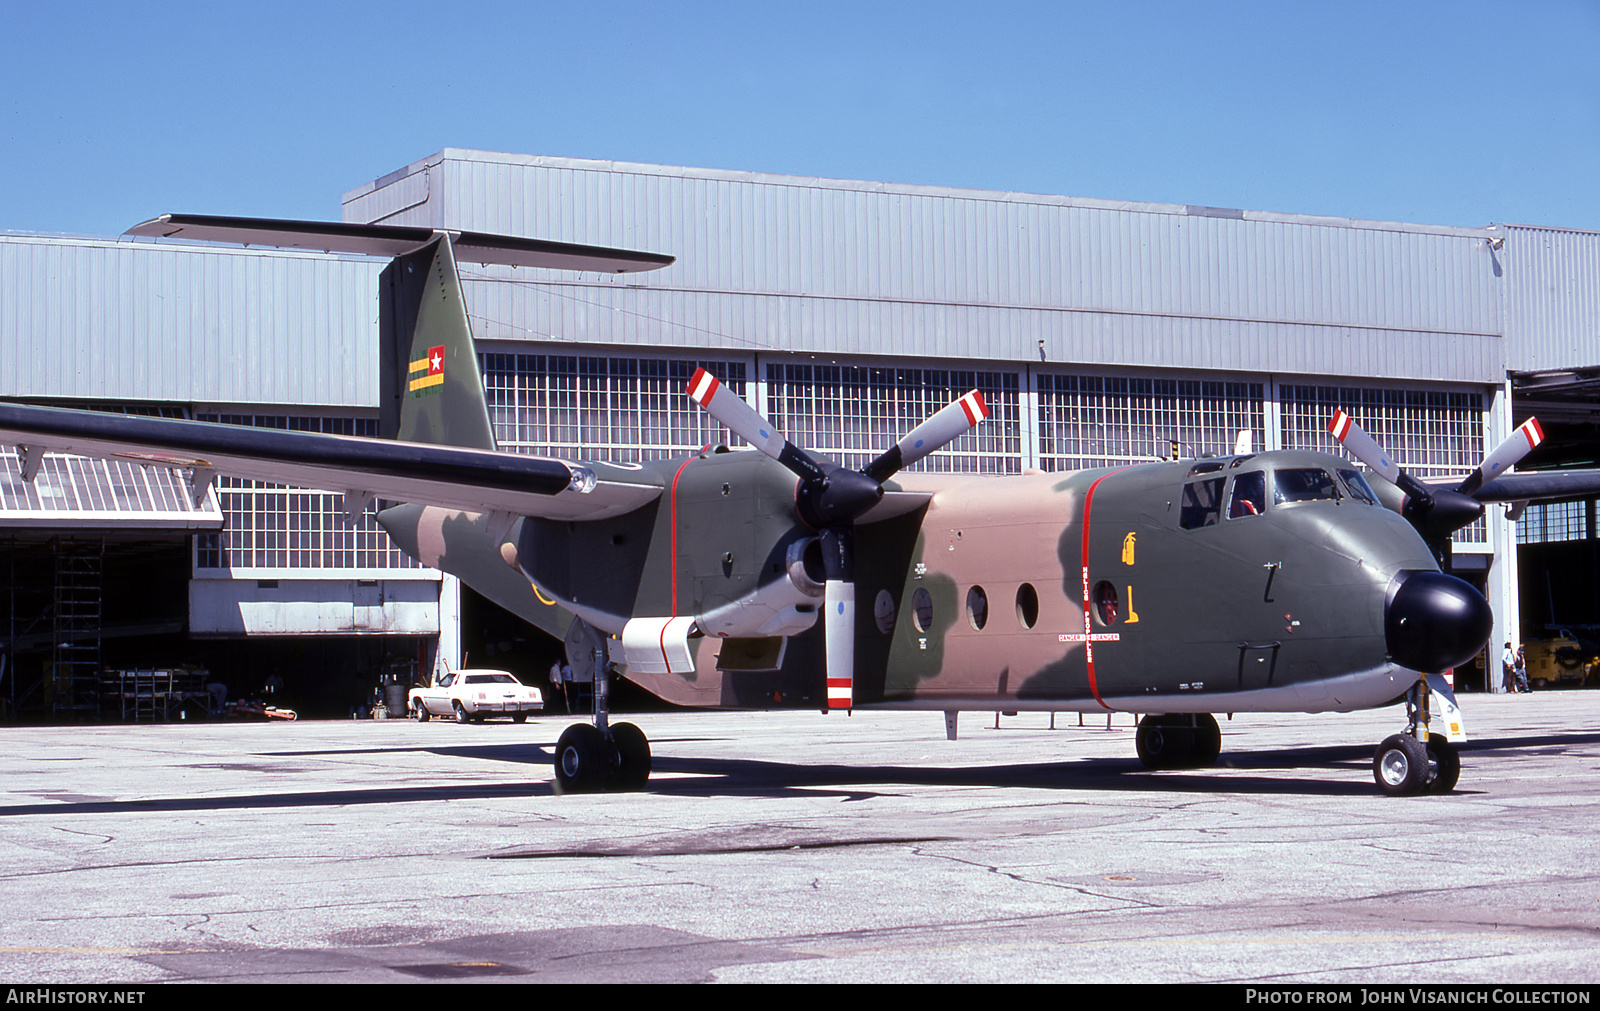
397	240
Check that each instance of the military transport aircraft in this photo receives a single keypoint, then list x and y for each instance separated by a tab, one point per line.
1274	581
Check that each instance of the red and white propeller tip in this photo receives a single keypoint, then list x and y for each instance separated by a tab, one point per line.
1363	446
741	419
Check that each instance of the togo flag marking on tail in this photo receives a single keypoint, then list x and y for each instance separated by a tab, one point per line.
427	374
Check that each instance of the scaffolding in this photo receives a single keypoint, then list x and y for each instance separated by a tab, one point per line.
75	628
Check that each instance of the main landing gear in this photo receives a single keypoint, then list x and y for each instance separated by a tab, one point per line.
1178	741
599	757
1416	761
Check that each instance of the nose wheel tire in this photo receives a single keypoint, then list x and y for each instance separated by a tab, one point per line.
1400	766
1445	763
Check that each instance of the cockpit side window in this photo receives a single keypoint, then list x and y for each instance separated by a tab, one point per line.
1202	503
1303	484
1249	496
1359	489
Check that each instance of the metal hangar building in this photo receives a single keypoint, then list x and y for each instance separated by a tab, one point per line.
1099	332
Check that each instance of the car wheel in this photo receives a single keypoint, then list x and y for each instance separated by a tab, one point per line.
419	711
519	717
461	713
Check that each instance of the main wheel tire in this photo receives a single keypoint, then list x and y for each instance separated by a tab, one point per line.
1445	762
420	712
582	760
631	755
1207	744
1163	742
1400	766
461	713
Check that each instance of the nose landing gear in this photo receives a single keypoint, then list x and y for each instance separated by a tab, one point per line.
1416	761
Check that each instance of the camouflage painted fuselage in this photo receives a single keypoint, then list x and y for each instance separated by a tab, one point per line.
1076	591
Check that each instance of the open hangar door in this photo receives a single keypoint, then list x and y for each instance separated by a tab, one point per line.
493	637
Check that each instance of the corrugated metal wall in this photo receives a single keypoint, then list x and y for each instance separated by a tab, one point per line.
1552	298
123	320
784	263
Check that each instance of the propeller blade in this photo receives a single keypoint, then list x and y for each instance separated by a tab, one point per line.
1505	456
1366	449
947	423
839	629
1363	446
743	421
839	618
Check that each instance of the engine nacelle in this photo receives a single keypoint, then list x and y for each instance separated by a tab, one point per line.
786	606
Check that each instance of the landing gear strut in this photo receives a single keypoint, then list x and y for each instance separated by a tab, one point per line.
1178	741
1416	761
598	757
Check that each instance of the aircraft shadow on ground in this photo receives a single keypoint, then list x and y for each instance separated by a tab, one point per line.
757	778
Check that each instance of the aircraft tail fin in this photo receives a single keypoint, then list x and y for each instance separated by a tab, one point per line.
431	386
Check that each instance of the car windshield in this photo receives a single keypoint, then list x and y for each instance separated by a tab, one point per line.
491	679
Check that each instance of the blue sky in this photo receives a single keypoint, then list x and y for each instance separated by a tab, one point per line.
1459	113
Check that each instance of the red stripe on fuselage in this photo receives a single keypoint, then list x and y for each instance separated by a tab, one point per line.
674	506
1088	643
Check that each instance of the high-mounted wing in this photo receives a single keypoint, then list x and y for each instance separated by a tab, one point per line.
475	480
397	240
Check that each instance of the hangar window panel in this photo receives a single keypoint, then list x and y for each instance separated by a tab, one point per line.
74	489
271	526
1548	522
1434	434
1107	421
855	412
614	409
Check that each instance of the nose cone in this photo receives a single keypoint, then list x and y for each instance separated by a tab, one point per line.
1434	622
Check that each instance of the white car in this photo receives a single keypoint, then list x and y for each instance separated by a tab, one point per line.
473	694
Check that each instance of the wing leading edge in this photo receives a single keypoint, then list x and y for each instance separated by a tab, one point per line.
473	480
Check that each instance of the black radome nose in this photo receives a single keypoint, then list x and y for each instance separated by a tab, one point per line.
1434	622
